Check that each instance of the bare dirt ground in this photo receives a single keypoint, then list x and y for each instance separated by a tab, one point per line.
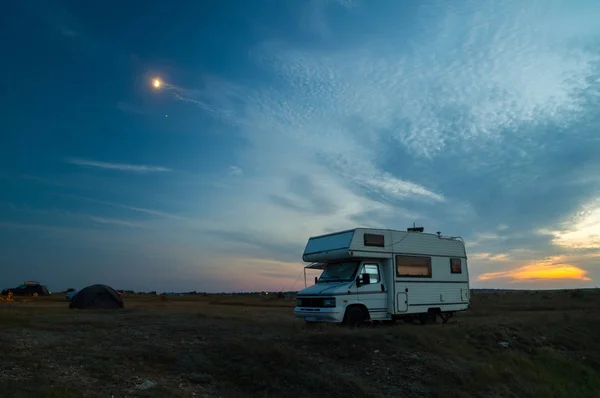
522	344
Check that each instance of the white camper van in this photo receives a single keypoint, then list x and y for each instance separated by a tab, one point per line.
384	275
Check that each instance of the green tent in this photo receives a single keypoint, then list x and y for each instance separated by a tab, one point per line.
97	297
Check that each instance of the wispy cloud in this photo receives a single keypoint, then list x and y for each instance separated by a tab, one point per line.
235	171
581	231
480	238
489	257
113	221
60	219
138	209
313	15
135	168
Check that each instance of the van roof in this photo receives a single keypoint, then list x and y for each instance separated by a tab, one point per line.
411	230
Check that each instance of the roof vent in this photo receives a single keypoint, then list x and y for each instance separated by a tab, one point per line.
415	228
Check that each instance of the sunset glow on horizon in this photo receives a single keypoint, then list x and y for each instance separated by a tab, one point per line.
548	269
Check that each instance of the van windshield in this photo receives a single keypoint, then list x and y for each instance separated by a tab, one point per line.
339	272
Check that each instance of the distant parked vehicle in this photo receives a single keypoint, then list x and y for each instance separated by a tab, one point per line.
28	289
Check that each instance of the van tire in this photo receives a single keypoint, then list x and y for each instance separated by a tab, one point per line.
355	316
427	318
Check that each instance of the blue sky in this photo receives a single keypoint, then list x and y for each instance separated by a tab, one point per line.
279	120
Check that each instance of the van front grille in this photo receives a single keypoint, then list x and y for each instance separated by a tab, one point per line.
310	302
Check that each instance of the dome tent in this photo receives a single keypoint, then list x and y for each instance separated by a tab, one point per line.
97	297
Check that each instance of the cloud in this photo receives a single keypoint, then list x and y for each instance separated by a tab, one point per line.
235	171
61	219
582	231
480	238
489	257
118	166
151	212
305	194
313	15
121	223
493	71
255	244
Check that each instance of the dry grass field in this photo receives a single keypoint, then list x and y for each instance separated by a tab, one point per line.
518	344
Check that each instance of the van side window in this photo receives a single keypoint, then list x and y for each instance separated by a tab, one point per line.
413	266
373	270
374	240
455	266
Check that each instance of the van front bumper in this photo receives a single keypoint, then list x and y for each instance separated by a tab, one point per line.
335	315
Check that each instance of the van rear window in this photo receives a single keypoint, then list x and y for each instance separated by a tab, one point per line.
455	266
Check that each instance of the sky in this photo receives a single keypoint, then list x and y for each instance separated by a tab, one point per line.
278	120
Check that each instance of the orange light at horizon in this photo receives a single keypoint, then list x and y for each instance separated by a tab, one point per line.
558	271
540	270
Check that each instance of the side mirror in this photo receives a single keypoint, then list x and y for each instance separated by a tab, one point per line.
366	279
358	281
316	279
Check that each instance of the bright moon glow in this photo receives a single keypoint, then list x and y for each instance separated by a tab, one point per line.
156	83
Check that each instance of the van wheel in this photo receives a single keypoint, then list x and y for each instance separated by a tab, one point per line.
427	318
355	316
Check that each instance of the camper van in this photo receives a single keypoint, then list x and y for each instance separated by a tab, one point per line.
384	275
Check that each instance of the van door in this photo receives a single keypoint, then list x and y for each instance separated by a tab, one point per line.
374	295
401	302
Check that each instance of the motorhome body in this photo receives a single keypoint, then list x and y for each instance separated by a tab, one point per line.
375	274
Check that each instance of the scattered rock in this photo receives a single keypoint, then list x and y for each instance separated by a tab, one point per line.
504	344
146	385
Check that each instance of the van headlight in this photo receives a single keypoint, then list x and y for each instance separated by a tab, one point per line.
299	302
330	302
